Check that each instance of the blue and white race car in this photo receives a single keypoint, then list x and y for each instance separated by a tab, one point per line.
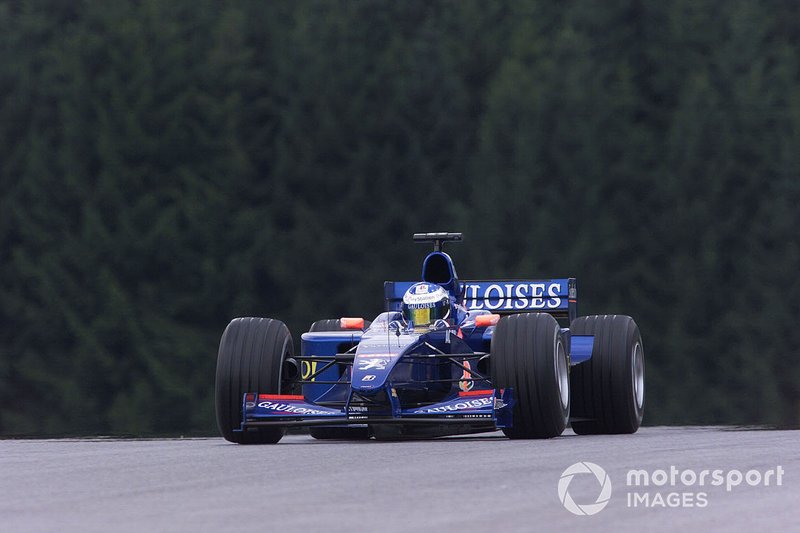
446	357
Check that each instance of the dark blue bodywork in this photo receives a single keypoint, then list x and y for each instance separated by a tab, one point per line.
392	374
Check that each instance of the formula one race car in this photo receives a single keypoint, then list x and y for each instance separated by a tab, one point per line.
446	357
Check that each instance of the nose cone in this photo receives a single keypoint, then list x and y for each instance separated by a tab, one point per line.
376	356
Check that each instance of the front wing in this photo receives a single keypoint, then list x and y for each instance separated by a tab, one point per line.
480	407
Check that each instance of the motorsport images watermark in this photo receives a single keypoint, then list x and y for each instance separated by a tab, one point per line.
671	487
587	508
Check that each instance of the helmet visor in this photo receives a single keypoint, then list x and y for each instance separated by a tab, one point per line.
420	317
427	315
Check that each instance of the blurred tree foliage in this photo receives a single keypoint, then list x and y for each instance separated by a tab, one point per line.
167	166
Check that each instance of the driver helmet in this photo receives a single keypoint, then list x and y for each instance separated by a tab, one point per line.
424	304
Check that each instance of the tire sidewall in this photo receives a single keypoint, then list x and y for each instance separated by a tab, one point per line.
562	389
634	339
603	387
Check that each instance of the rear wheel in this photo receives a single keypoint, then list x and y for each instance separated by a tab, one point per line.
608	389
528	355
251	354
332	324
340	432
328	324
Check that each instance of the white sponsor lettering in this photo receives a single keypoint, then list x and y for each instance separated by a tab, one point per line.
419	295
514	296
537	291
292	409
553	291
488	297
459	406
522	297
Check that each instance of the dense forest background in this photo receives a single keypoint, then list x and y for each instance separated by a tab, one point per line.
167	166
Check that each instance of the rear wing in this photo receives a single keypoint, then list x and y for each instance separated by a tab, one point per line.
559	297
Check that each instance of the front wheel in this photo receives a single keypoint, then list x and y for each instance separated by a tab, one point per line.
528	355
608	389
251	355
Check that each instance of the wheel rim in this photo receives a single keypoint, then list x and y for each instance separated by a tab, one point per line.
562	374
637	367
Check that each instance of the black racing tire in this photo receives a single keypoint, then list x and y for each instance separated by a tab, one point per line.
528	354
608	389
341	432
328	324
251	355
332	324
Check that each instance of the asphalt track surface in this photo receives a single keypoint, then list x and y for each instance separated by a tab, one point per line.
477	483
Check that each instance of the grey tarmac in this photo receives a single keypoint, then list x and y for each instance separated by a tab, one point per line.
460	484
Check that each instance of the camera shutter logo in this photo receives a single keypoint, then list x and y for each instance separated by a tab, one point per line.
584	467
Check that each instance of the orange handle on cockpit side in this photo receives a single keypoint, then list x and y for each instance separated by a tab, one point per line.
351	323
486	320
